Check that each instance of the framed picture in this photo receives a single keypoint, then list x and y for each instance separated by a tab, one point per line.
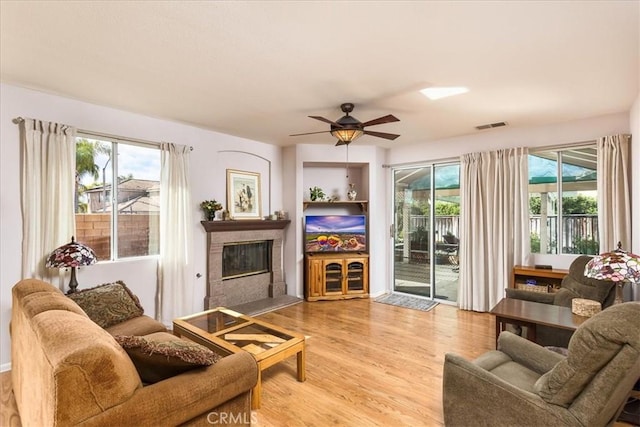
244	199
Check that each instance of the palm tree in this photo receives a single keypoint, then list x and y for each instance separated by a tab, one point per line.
86	152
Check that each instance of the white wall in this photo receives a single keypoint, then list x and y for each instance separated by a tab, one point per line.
634	125
540	136
213	153
291	180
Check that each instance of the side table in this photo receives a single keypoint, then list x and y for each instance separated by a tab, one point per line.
531	314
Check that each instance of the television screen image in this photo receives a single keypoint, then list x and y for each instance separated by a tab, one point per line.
335	233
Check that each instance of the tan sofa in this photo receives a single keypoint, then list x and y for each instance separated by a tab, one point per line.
67	370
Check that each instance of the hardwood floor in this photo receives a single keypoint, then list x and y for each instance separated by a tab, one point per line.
367	364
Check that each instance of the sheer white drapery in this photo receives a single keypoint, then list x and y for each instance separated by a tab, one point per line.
48	191
614	192
175	292
494	218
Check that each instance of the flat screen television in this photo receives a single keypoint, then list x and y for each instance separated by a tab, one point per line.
335	233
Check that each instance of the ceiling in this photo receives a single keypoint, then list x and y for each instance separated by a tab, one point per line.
258	69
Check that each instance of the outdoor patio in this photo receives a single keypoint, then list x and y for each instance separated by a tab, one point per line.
413	278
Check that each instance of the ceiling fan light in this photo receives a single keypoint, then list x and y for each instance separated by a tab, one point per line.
347	135
443	92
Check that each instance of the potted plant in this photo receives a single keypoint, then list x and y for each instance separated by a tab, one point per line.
316	194
209	207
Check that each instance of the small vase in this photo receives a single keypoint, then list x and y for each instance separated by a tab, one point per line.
211	216
352	193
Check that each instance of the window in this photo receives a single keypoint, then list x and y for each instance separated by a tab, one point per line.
563	204
122	177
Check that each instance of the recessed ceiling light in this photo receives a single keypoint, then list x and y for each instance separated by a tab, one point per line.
443	92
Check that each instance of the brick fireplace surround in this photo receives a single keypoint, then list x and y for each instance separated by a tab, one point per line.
249	294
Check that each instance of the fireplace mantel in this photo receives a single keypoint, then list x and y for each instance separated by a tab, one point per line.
244	224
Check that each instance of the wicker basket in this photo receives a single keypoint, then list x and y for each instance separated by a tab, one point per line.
585	307
532	288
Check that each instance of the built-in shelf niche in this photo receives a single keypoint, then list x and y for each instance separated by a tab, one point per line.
332	178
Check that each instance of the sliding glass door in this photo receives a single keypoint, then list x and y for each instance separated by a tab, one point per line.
426	231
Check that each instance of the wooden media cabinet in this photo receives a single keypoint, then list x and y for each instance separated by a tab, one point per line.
336	276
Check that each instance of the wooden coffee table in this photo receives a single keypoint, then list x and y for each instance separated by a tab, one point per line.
531	314
226	332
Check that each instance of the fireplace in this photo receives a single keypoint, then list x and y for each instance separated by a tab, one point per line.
244	262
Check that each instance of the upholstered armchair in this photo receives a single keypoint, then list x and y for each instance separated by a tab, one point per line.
525	384
574	285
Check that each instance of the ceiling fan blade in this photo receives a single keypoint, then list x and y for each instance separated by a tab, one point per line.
322	119
310	133
380	120
384	135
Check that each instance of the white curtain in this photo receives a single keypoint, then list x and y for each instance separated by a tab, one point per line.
494	218
614	192
175	293
48	189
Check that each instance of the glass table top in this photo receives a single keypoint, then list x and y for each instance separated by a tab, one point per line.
215	320
234	330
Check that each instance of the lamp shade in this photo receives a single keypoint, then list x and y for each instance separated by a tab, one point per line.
72	254
617	266
347	135
347	128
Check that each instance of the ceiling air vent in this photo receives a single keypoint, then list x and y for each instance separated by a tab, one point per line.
491	125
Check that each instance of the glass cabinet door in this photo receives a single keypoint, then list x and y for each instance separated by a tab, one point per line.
333	277
355	276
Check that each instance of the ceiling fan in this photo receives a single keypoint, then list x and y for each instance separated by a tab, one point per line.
347	128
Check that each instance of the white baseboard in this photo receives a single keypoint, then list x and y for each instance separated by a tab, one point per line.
5	367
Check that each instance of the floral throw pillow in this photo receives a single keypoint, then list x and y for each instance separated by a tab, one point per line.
108	304
162	355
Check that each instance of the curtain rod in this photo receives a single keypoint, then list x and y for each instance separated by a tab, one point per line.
531	150
18	120
558	146
421	163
